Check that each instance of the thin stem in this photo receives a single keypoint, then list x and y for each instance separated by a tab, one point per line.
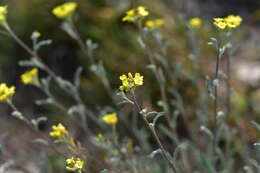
152	129
80	41
28	49
34	54
214	143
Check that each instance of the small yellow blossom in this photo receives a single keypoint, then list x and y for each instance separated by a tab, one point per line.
156	23
5	92
135	14
30	77
129	82
73	164
3	12
195	22
141	10
110	119
220	23
59	131
64	10
233	21
229	22
70	161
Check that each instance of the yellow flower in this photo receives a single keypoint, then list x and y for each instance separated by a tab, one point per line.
3	12
195	22
129	82
59	131
70	161
64	10
110	119
135	14
220	23
79	164
5	92
74	165
233	21
30	77
141	11
229	22
156	23
138	79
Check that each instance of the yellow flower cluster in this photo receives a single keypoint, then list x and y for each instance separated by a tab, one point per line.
64	10
110	119
195	22
30	77
59	132
3	12
73	164
229	22
135	14
129	82
156	23
5	92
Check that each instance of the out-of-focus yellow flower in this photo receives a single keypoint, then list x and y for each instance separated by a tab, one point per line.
6	92
70	161
30	77
59	131
195	22
129	82
3	12
233	21
141	10
110	119
73	164
135	14
64	10
220	23
230	22
156	23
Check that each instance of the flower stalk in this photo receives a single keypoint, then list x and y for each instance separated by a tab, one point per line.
151	127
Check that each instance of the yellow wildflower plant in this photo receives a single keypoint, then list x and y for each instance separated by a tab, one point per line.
3	12
110	119
30	77
73	164
156	23
64	10
6	92
195	22
130	81
59	132
135	14
230	22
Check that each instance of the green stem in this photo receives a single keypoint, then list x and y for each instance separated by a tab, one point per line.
152	129
34	54
216	77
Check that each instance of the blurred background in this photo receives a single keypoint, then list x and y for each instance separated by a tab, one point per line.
120	52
